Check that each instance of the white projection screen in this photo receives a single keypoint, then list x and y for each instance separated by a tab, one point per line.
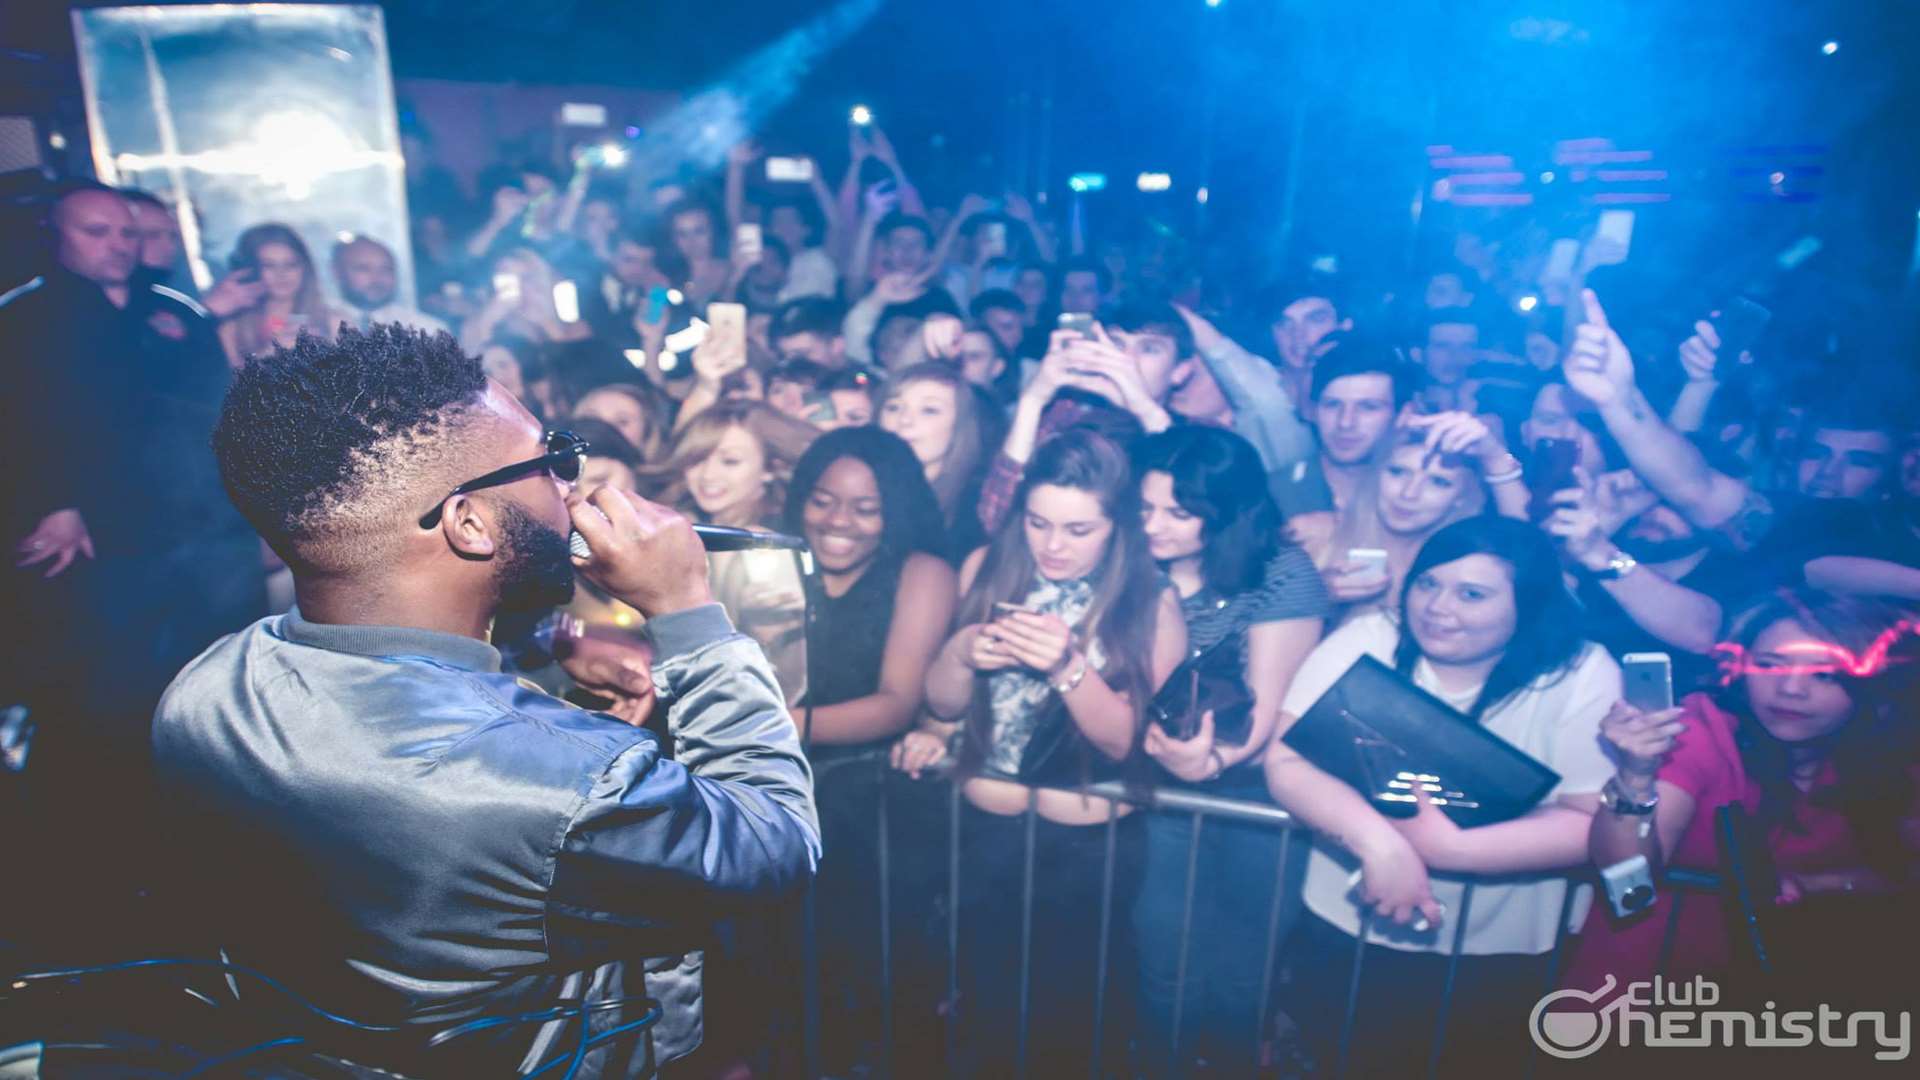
237	114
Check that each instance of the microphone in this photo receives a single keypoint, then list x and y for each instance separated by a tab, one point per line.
716	538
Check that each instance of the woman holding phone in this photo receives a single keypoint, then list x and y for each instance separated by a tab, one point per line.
1246	590
1439	469
291	299
1811	733
1065	632
1485	625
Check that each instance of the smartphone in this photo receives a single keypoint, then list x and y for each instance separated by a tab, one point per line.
657	299
789	170
1079	322
993	239
566	301
749	241
1005	606
1740	324
728	324
1550	471
1372	558
1560	259
1648	677
507	287
1617	226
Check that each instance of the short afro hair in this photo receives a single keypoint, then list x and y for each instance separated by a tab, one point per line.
325	447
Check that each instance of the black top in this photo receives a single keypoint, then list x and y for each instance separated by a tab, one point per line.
1724	576
847	640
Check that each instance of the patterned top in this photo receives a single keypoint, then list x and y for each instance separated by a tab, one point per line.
1292	590
1018	697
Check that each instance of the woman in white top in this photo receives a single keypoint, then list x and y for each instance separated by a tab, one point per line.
1490	630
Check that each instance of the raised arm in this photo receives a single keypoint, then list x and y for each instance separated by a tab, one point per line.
1677	615
741	155
1600	369
1253	387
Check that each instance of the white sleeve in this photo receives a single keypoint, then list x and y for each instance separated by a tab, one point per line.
1369	634
1577	754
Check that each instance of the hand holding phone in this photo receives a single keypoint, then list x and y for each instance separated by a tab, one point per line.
1648	680
748	243
1550	471
789	170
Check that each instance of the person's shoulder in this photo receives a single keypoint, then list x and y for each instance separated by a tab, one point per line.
24	294
923	570
1371	632
1311	531
970	567
170	299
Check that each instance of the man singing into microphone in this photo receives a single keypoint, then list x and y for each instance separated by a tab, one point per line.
404	834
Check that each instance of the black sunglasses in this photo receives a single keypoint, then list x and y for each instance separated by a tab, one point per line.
566	453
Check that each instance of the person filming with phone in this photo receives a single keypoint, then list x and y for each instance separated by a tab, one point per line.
404	833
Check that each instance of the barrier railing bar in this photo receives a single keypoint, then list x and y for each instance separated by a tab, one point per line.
1552	973
1026	931
810	1002
1106	934
1186	944
1353	996
951	1028
1273	947
1446	988
886	925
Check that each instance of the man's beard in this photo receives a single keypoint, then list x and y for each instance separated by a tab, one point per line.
363	301
534	569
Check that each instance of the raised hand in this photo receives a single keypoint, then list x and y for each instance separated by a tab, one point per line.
1641	740
61	537
1576	523
881	199
1206	336
1456	433
743	153
1598	365
940	333
901	287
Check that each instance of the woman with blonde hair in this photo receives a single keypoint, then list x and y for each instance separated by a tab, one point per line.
730	466
1439	469
937	412
291	299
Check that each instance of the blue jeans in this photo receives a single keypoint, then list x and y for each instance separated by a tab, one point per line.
1227	947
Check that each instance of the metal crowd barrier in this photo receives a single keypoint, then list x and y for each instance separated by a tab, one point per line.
1200	807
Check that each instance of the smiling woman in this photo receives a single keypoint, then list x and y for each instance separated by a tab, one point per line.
1487	626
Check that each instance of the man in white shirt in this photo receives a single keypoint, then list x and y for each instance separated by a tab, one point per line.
368	280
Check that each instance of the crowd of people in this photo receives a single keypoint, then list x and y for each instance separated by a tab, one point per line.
1044	475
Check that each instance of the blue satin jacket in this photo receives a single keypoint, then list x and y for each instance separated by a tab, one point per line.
406	835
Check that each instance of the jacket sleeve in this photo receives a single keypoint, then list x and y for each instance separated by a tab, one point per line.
673	845
1254	389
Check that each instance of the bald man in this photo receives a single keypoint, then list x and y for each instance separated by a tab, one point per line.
127	558
367	276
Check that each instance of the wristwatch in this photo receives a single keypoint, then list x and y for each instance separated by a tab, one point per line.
1619	565
1620	802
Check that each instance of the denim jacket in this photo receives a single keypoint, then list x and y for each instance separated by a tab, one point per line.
406	835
